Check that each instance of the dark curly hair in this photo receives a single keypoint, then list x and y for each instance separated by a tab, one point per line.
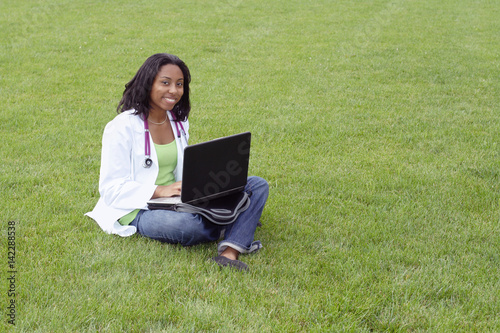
138	90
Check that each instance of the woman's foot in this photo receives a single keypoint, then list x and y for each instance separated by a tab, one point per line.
229	258
230	253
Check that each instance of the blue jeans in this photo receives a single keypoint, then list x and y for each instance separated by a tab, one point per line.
191	229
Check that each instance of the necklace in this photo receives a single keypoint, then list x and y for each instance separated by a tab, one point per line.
163	122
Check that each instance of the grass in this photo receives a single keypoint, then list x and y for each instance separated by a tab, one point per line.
375	122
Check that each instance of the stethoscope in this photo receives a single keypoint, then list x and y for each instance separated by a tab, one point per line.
148	162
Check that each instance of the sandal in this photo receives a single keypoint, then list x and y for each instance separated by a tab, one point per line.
226	262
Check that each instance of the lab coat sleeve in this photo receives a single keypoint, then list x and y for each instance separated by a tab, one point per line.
186	130
120	186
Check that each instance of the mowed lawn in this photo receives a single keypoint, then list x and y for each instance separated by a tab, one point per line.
376	124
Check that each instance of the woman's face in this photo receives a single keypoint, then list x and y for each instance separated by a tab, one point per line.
167	89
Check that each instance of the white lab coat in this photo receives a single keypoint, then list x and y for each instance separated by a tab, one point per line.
124	183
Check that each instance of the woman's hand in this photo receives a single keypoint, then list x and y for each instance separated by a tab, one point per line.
167	191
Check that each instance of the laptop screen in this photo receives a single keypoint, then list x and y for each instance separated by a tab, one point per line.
215	168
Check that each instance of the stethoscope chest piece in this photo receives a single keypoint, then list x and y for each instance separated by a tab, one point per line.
147	162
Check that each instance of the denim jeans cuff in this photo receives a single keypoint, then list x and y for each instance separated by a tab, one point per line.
254	247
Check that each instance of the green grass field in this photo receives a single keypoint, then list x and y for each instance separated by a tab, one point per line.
375	122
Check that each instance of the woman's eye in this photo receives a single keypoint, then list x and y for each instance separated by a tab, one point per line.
165	82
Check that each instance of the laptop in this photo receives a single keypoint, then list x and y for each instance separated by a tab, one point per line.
211	170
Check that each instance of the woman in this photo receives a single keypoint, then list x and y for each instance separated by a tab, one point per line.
158	96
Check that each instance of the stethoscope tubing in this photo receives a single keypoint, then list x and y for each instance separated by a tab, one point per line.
148	162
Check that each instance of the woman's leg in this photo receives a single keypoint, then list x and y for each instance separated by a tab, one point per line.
240	234
175	228
190	229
